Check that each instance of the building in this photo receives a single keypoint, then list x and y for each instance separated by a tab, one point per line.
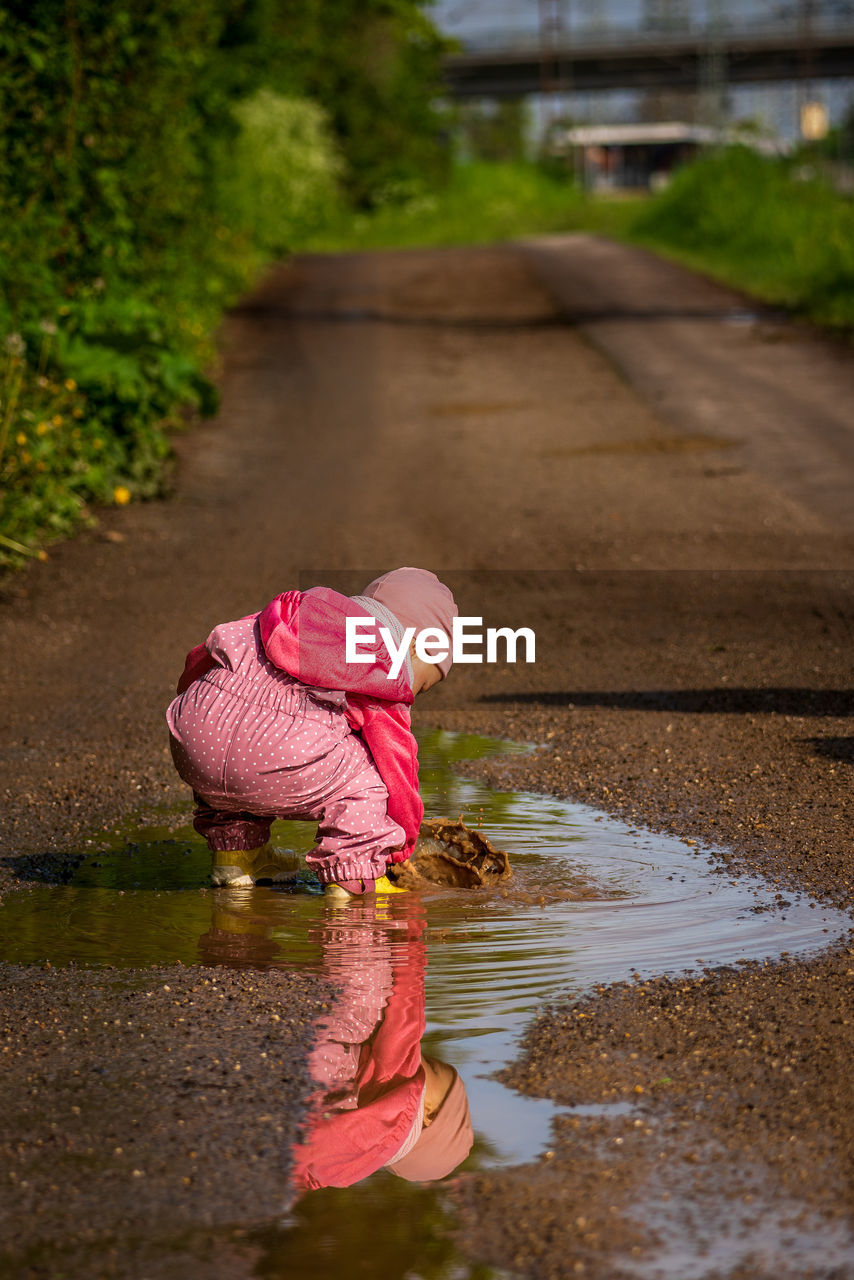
619	156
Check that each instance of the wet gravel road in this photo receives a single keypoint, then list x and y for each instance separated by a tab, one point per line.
147	1115
694	616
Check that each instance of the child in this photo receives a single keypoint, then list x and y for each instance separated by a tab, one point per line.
271	721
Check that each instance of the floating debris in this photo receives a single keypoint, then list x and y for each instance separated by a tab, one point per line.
452	854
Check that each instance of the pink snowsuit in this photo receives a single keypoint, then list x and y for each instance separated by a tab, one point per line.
271	722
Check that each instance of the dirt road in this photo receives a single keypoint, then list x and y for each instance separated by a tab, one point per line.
686	555
715	364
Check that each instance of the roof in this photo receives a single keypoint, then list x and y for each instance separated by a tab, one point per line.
664	131
603	135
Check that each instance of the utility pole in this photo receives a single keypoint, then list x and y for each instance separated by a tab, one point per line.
663	22
714	72
555	75
666	15
594	18
807	50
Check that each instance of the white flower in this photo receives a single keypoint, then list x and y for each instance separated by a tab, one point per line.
14	344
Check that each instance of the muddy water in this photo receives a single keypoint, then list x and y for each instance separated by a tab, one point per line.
590	901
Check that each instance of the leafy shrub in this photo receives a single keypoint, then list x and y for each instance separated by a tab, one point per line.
771	226
376	67
152	157
482	203
280	178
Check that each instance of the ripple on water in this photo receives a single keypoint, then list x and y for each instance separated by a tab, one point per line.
592	901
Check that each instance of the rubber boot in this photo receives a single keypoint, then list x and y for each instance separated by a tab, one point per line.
242	868
338	893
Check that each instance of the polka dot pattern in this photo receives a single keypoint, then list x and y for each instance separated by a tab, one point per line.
255	745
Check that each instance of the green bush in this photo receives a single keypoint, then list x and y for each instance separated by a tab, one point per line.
482	203
279	181
376	68
152	158
774	227
86	416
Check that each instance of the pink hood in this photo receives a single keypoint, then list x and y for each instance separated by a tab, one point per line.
303	633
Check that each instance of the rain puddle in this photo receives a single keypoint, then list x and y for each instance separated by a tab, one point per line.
591	901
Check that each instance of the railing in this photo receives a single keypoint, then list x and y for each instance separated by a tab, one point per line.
515	40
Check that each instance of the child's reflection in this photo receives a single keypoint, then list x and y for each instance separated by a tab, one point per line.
380	1102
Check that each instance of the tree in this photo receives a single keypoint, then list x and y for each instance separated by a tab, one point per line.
375	65
495	130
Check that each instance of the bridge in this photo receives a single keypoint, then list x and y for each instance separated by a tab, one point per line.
511	64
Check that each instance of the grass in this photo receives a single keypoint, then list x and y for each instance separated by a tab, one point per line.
775	229
482	204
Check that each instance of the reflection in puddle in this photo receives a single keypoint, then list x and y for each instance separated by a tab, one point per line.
591	901
380	1102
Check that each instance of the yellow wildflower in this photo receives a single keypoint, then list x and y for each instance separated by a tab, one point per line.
98	443
57	420
20	438
121	495
26	457
70	384
42	429
77	413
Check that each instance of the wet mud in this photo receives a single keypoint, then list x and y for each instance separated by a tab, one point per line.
727	1160
453	855
143	1106
496	952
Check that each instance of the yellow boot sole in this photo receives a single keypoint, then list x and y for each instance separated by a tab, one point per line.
382	885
